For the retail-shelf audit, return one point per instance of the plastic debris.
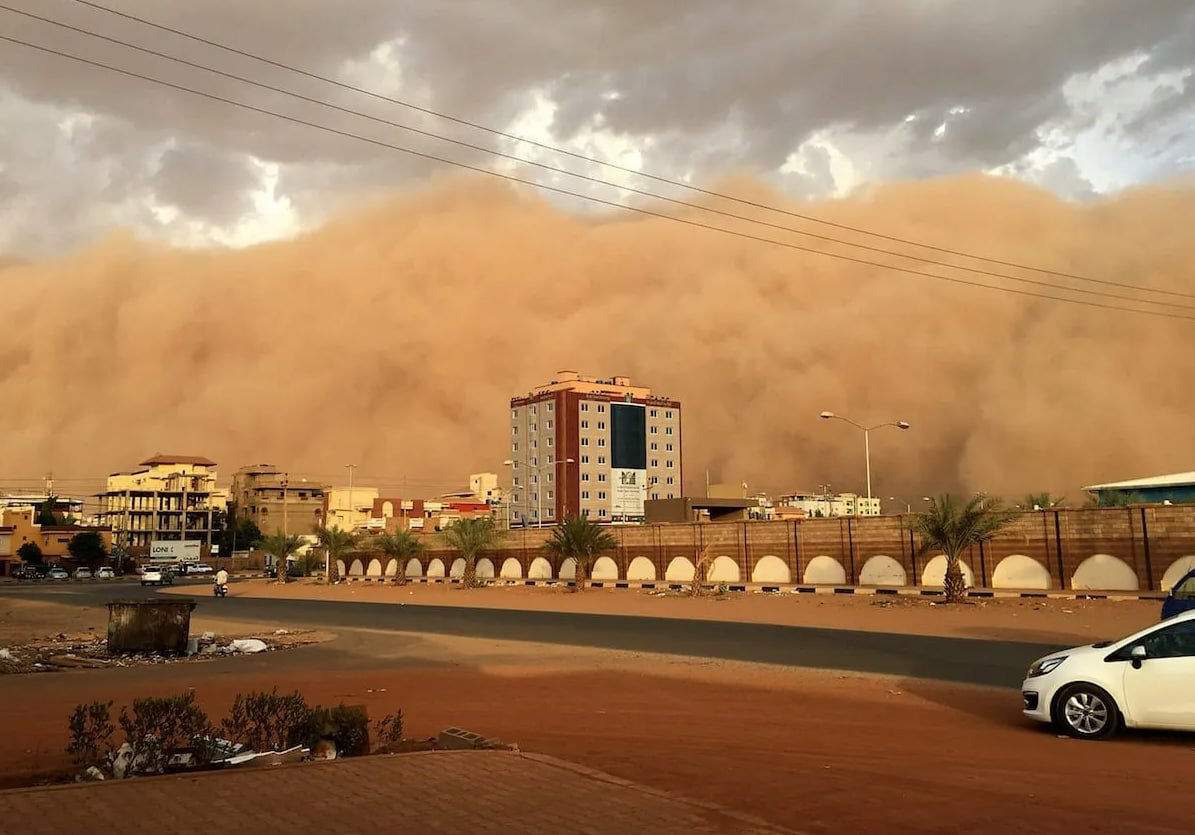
(247, 645)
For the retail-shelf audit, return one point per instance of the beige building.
(349, 508)
(18, 525)
(818, 505)
(169, 497)
(593, 447)
(275, 501)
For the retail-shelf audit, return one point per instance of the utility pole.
(350, 468)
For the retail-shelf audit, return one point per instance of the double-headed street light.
(897, 424)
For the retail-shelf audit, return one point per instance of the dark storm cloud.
(720, 87)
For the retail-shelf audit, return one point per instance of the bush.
(263, 721)
(91, 732)
(390, 730)
(157, 725)
(346, 725)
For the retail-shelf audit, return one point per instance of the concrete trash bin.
(149, 625)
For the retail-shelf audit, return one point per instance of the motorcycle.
(220, 589)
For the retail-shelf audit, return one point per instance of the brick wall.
(1148, 540)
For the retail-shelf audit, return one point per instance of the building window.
(585, 512)
(601, 424)
(584, 424)
(601, 495)
(601, 441)
(584, 459)
(585, 476)
(655, 480)
(669, 479)
(585, 494)
(551, 494)
(668, 413)
(551, 407)
(601, 407)
(670, 496)
(515, 446)
(655, 495)
(514, 430)
(601, 476)
(653, 412)
(601, 459)
(514, 415)
(549, 441)
(584, 442)
(655, 462)
(667, 430)
(601, 511)
(652, 430)
(549, 424)
(584, 407)
(668, 447)
(533, 410)
(668, 464)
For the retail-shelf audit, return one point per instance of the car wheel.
(1085, 711)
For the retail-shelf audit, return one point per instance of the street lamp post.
(897, 424)
(539, 515)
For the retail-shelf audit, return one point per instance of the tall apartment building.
(169, 497)
(592, 447)
(277, 501)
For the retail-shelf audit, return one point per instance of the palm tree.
(399, 546)
(1042, 501)
(952, 528)
(280, 546)
(336, 544)
(583, 541)
(470, 537)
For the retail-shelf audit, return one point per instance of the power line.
(592, 179)
(626, 169)
(557, 190)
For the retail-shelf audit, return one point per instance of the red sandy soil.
(817, 751)
(1015, 619)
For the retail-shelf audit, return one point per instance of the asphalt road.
(966, 660)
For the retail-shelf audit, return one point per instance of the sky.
(232, 285)
(815, 99)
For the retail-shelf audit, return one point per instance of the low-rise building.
(812, 505)
(18, 525)
(397, 514)
(349, 508)
(1176, 488)
(276, 502)
(65, 507)
(168, 497)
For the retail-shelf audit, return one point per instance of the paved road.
(994, 663)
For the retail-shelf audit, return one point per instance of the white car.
(82, 573)
(154, 576)
(199, 568)
(1146, 680)
(104, 573)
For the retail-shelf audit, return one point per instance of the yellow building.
(275, 501)
(349, 508)
(169, 497)
(18, 526)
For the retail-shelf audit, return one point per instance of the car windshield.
(1185, 589)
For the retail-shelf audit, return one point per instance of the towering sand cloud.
(392, 337)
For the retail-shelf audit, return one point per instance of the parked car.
(1146, 680)
(293, 569)
(58, 574)
(156, 576)
(30, 571)
(199, 568)
(104, 573)
(82, 573)
(1181, 597)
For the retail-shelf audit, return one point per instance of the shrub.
(91, 732)
(158, 725)
(390, 730)
(346, 725)
(263, 721)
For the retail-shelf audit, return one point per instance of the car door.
(1160, 689)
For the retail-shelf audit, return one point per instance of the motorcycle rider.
(221, 582)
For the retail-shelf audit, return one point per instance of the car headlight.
(1045, 665)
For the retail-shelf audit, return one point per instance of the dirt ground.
(817, 751)
(1014, 619)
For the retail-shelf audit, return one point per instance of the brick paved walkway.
(438, 791)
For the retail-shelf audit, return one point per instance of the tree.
(1116, 498)
(336, 544)
(280, 547)
(952, 528)
(235, 533)
(470, 537)
(400, 546)
(30, 552)
(46, 515)
(88, 547)
(1042, 501)
(581, 540)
